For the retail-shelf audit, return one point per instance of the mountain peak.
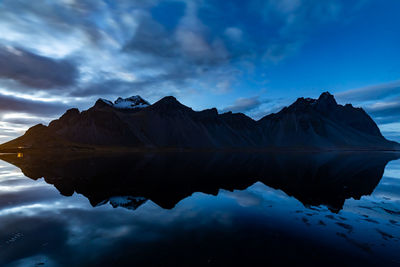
(325, 102)
(101, 103)
(70, 113)
(327, 98)
(130, 102)
(104, 101)
(300, 104)
(169, 99)
(169, 104)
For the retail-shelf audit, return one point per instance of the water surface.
(200, 209)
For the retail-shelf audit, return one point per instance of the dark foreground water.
(200, 210)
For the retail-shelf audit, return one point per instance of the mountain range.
(133, 123)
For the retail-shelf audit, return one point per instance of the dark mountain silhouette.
(134, 123)
(128, 180)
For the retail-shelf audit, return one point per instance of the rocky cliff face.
(133, 122)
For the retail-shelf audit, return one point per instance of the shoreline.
(118, 150)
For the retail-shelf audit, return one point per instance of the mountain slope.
(133, 122)
(322, 123)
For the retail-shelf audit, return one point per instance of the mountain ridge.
(319, 124)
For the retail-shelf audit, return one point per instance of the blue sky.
(246, 56)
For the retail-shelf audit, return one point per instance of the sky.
(253, 56)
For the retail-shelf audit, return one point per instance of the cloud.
(370, 93)
(295, 21)
(96, 20)
(124, 41)
(385, 108)
(385, 112)
(277, 52)
(391, 130)
(151, 38)
(34, 70)
(245, 104)
(234, 34)
(178, 58)
(10, 104)
(25, 121)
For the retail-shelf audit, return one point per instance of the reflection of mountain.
(128, 180)
(128, 202)
(132, 123)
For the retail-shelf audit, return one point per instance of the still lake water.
(200, 210)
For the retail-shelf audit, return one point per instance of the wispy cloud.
(256, 107)
(10, 104)
(385, 112)
(36, 71)
(371, 93)
(96, 42)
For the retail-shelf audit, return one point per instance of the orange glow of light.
(20, 155)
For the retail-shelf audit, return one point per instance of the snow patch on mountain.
(132, 102)
(128, 202)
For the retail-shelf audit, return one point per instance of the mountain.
(322, 123)
(133, 123)
(127, 202)
(132, 102)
